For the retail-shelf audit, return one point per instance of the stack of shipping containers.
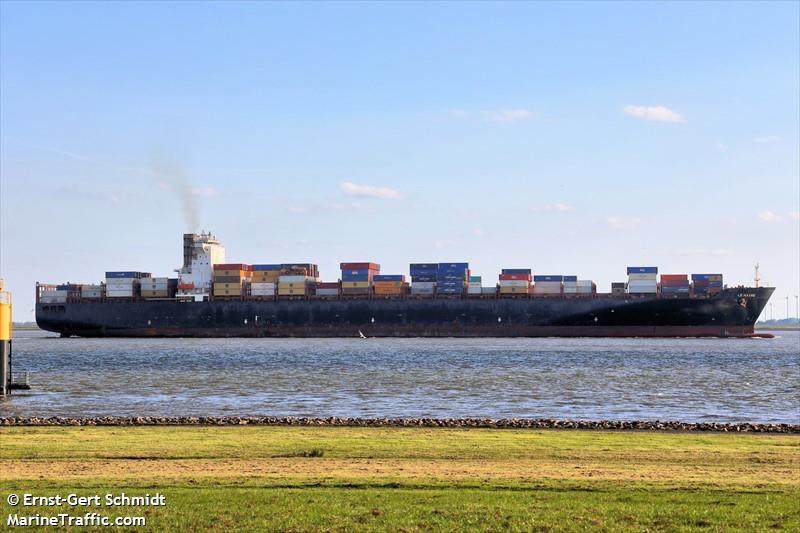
(475, 287)
(423, 278)
(515, 281)
(389, 285)
(123, 284)
(230, 280)
(91, 292)
(706, 284)
(297, 279)
(56, 295)
(452, 279)
(642, 280)
(675, 285)
(618, 287)
(264, 281)
(579, 287)
(327, 289)
(158, 287)
(357, 278)
(550, 285)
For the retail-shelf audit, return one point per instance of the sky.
(570, 138)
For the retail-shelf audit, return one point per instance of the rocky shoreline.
(503, 423)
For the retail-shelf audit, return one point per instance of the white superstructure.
(200, 253)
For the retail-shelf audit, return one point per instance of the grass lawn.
(253, 478)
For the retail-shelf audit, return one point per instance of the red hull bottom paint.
(439, 331)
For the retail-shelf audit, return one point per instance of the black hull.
(731, 313)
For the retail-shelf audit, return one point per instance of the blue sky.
(573, 138)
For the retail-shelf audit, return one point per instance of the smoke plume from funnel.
(170, 175)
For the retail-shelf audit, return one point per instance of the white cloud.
(297, 210)
(704, 251)
(657, 113)
(369, 191)
(769, 139)
(795, 215)
(508, 115)
(618, 222)
(554, 207)
(769, 216)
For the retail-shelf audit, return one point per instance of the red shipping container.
(515, 277)
(232, 266)
(674, 277)
(675, 283)
(328, 285)
(360, 266)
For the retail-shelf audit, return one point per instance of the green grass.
(389, 479)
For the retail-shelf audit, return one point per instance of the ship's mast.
(757, 279)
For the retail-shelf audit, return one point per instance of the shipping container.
(320, 291)
(232, 266)
(516, 271)
(642, 277)
(674, 277)
(124, 274)
(359, 266)
(513, 283)
(266, 268)
(520, 277)
(550, 278)
(642, 270)
(388, 277)
(355, 284)
(706, 277)
(477, 279)
(513, 290)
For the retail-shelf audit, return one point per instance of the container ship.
(213, 298)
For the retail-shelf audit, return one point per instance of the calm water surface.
(722, 380)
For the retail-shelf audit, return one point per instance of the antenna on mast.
(757, 279)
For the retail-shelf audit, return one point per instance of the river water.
(692, 380)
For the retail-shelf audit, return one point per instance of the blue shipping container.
(716, 284)
(260, 268)
(548, 278)
(570, 278)
(642, 270)
(124, 274)
(423, 277)
(388, 277)
(424, 266)
(704, 277)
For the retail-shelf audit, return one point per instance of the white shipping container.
(121, 282)
(475, 290)
(642, 277)
(475, 284)
(262, 292)
(51, 297)
(92, 294)
(423, 285)
(263, 286)
(514, 283)
(294, 279)
(119, 294)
